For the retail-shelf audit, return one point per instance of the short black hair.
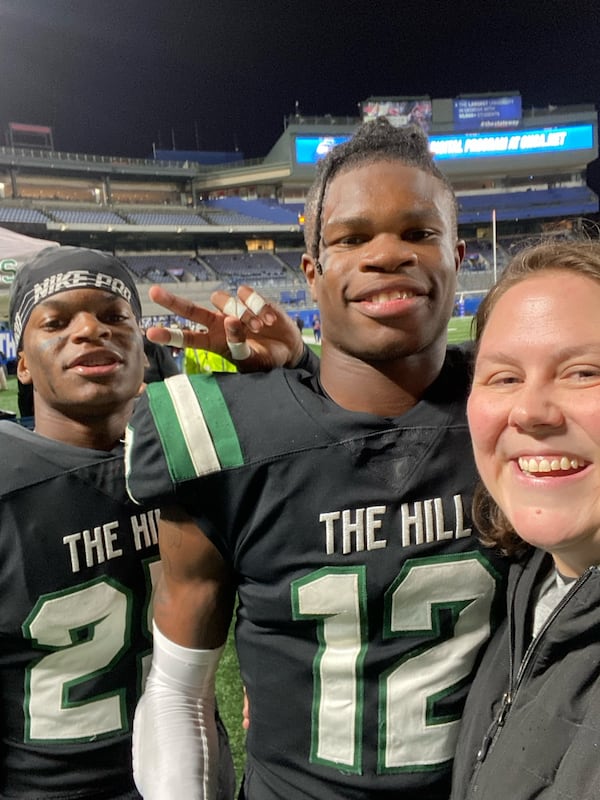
(375, 140)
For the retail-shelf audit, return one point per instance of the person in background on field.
(3, 371)
(316, 326)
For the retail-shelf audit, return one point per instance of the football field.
(459, 329)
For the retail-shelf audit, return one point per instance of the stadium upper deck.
(524, 170)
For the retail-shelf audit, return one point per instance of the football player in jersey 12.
(78, 558)
(336, 505)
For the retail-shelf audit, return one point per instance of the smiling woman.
(534, 415)
(534, 404)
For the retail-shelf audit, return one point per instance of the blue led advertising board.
(521, 143)
(310, 149)
(476, 113)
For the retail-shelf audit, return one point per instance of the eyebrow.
(405, 215)
(349, 221)
(561, 354)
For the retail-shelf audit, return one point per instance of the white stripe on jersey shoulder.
(192, 425)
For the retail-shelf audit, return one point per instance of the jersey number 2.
(86, 630)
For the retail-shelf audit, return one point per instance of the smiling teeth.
(386, 297)
(556, 464)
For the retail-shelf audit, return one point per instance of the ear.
(309, 269)
(23, 373)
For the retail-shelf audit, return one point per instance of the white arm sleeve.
(175, 745)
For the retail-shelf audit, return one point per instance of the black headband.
(60, 269)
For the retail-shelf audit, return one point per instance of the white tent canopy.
(15, 250)
(19, 247)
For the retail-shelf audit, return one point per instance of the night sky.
(116, 77)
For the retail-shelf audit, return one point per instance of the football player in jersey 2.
(78, 558)
(336, 505)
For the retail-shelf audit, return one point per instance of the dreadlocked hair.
(376, 140)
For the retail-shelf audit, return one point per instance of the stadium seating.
(292, 258)
(78, 216)
(158, 268)
(260, 268)
(182, 231)
(155, 218)
(22, 215)
(527, 204)
(237, 211)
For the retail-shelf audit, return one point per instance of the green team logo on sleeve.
(195, 428)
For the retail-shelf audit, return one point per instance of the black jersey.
(364, 598)
(77, 561)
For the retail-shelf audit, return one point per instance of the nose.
(389, 253)
(535, 409)
(86, 325)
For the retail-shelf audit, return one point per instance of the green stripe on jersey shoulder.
(194, 425)
(218, 419)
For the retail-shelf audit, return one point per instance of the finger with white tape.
(255, 303)
(234, 308)
(175, 338)
(240, 351)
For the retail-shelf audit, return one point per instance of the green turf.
(8, 400)
(230, 700)
(459, 329)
